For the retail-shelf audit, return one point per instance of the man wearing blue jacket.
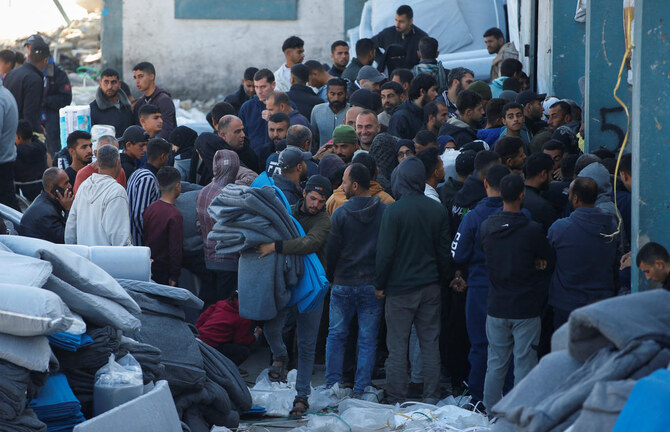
(466, 250)
(585, 257)
(350, 257)
(251, 114)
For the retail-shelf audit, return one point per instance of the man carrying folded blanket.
(315, 221)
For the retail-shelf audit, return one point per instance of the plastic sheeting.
(363, 416)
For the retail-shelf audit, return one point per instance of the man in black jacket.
(246, 90)
(407, 119)
(58, 93)
(537, 172)
(111, 105)
(45, 218)
(365, 55)
(464, 127)
(302, 96)
(145, 77)
(404, 33)
(231, 130)
(26, 83)
(516, 295)
(134, 142)
(350, 256)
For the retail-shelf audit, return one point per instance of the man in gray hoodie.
(99, 213)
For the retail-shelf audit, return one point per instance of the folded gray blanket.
(246, 217)
(618, 321)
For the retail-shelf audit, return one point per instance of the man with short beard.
(407, 120)
(537, 171)
(367, 128)
(391, 97)
(326, 116)
(532, 110)
(111, 105)
(459, 79)
(278, 124)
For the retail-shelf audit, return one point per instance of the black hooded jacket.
(238, 98)
(304, 99)
(406, 121)
(511, 243)
(460, 131)
(352, 244)
(466, 198)
(207, 144)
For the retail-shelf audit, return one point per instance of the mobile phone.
(57, 188)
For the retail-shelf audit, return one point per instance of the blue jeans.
(308, 329)
(345, 303)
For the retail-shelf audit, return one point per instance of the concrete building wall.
(202, 59)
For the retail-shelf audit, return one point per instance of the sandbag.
(29, 311)
(98, 310)
(22, 270)
(73, 269)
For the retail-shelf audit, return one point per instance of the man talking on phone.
(45, 218)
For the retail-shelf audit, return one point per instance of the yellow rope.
(628, 16)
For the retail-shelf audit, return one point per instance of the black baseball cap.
(291, 156)
(528, 96)
(319, 184)
(134, 134)
(32, 39)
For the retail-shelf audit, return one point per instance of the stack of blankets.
(596, 360)
(206, 386)
(246, 217)
(57, 406)
(61, 318)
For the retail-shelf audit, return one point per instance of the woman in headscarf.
(226, 165)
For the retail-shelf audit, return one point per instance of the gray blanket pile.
(610, 345)
(246, 217)
(207, 387)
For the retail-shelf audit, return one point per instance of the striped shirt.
(142, 191)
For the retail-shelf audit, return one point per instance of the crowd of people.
(458, 221)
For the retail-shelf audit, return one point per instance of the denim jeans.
(506, 337)
(345, 303)
(308, 329)
(421, 308)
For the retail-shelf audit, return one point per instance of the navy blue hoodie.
(352, 244)
(511, 243)
(585, 259)
(466, 248)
